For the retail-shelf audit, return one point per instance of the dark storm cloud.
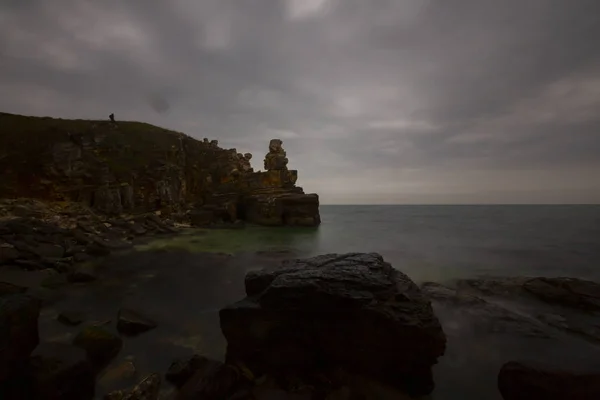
(402, 100)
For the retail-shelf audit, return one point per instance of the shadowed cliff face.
(133, 167)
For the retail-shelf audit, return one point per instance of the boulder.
(71, 318)
(130, 322)
(517, 381)
(181, 371)
(118, 374)
(100, 345)
(61, 372)
(18, 332)
(82, 273)
(351, 311)
(8, 288)
(147, 389)
(8, 253)
(569, 292)
(214, 382)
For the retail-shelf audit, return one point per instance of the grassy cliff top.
(16, 130)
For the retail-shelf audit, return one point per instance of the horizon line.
(460, 204)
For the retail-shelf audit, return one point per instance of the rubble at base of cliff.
(36, 235)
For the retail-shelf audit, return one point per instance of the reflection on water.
(182, 287)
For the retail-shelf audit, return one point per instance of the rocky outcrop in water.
(337, 316)
(137, 168)
(517, 381)
(524, 305)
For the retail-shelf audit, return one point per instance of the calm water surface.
(182, 287)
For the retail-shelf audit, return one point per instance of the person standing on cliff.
(112, 118)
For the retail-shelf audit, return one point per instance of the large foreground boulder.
(336, 311)
(517, 381)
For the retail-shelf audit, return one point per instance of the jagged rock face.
(276, 159)
(132, 167)
(349, 311)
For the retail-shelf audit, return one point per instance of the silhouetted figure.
(112, 118)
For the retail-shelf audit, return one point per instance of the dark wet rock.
(569, 292)
(82, 257)
(73, 248)
(131, 322)
(585, 326)
(18, 332)
(482, 315)
(31, 265)
(119, 375)
(71, 318)
(61, 372)
(97, 250)
(8, 253)
(181, 371)
(147, 389)
(517, 381)
(502, 286)
(8, 288)
(47, 296)
(137, 229)
(45, 250)
(64, 266)
(54, 280)
(443, 293)
(82, 273)
(81, 237)
(352, 311)
(22, 226)
(100, 345)
(214, 383)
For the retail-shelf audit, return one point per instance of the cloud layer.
(388, 101)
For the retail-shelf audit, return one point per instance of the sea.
(183, 281)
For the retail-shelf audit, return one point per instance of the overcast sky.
(378, 101)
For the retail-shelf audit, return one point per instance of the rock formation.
(142, 168)
(276, 159)
(349, 314)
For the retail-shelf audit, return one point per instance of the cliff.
(133, 167)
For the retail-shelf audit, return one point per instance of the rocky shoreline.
(62, 239)
(336, 326)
